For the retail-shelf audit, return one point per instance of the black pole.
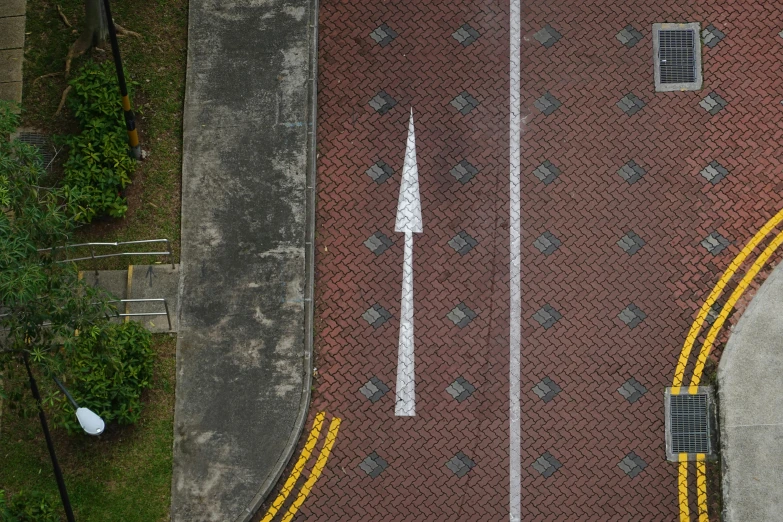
(58, 474)
(130, 118)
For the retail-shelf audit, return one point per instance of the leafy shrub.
(98, 163)
(27, 507)
(109, 366)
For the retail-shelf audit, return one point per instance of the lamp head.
(90, 422)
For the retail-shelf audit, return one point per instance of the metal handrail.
(116, 254)
(157, 299)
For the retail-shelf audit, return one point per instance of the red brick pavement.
(589, 427)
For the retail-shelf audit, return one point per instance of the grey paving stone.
(462, 243)
(547, 464)
(714, 312)
(547, 316)
(376, 315)
(378, 243)
(460, 389)
(464, 102)
(374, 389)
(632, 464)
(547, 36)
(711, 35)
(11, 65)
(632, 315)
(630, 104)
(546, 389)
(465, 35)
(631, 243)
(380, 172)
(383, 35)
(631, 172)
(547, 172)
(713, 103)
(12, 7)
(714, 172)
(12, 32)
(460, 464)
(464, 171)
(547, 243)
(461, 315)
(632, 390)
(715, 243)
(373, 465)
(629, 36)
(11, 91)
(382, 102)
(547, 103)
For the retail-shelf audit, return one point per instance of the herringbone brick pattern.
(608, 293)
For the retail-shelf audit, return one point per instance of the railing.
(144, 314)
(114, 254)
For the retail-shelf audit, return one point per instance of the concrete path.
(12, 20)
(243, 355)
(750, 378)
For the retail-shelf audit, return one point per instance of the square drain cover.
(689, 424)
(677, 56)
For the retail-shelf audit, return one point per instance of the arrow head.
(409, 204)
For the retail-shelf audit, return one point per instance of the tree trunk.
(96, 27)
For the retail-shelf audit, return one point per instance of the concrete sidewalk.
(244, 348)
(750, 378)
(12, 23)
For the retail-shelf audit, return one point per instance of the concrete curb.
(309, 290)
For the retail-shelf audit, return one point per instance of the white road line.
(515, 305)
(408, 221)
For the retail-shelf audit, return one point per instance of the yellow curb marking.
(724, 313)
(701, 489)
(312, 439)
(334, 427)
(690, 340)
(682, 483)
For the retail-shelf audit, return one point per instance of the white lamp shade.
(90, 422)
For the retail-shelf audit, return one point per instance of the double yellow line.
(301, 462)
(712, 334)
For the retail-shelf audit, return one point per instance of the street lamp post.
(89, 421)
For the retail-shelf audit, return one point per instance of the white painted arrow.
(408, 221)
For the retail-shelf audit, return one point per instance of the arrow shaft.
(406, 391)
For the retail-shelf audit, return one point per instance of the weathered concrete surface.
(750, 378)
(243, 359)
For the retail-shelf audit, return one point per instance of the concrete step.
(142, 282)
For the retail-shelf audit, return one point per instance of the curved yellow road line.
(701, 491)
(690, 339)
(312, 439)
(334, 427)
(682, 486)
(724, 313)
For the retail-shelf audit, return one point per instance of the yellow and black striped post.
(130, 118)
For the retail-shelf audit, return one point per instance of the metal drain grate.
(677, 56)
(688, 423)
(41, 142)
(677, 49)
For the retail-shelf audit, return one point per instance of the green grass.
(123, 475)
(156, 61)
